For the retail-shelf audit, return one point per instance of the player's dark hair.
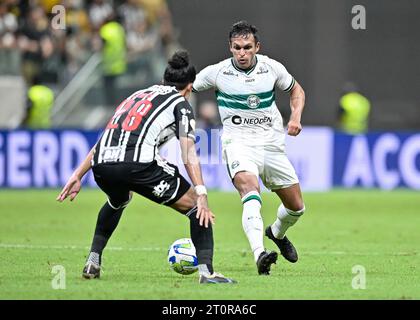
(243, 29)
(179, 72)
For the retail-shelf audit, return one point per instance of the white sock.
(285, 219)
(252, 222)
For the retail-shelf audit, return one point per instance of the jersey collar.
(247, 71)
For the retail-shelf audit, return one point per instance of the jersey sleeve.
(184, 120)
(206, 78)
(285, 81)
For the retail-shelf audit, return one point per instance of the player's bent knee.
(117, 205)
(186, 202)
(295, 204)
(246, 186)
(297, 211)
(246, 182)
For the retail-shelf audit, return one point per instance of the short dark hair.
(179, 72)
(242, 29)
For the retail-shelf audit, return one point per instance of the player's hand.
(203, 212)
(293, 128)
(71, 189)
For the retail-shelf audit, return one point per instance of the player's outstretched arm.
(297, 103)
(74, 184)
(192, 165)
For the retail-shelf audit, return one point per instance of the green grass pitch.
(340, 230)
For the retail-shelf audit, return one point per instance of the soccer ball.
(182, 257)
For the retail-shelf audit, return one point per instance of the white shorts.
(273, 167)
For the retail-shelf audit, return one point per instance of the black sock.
(108, 219)
(202, 238)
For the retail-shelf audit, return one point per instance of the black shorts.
(158, 181)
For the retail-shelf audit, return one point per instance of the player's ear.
(186, 92)
(230, 46)
(257, 47)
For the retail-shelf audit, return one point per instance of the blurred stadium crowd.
(133, 39)
(45, 43)
(31, 45)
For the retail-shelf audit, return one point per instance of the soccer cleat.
(215, 278)
(286, 248)
(91, 271)
(265, 260)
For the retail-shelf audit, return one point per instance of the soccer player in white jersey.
(253, 137)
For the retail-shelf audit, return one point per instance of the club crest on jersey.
(253, 101)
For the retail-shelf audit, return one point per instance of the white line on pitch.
(74, 247)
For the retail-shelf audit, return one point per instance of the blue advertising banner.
(384, 160)
(322, 158)
(42, 159)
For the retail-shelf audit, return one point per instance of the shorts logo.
(234, 164)
(253, 101)
(161, 188)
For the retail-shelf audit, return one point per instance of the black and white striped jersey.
(142, 123)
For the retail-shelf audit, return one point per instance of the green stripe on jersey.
(245, 101)
(244, 97)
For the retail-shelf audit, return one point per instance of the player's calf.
(202, 238)
(252, 223)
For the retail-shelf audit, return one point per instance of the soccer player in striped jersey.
(253, 137)
(126, 160)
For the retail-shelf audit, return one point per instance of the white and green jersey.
(246, 99)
